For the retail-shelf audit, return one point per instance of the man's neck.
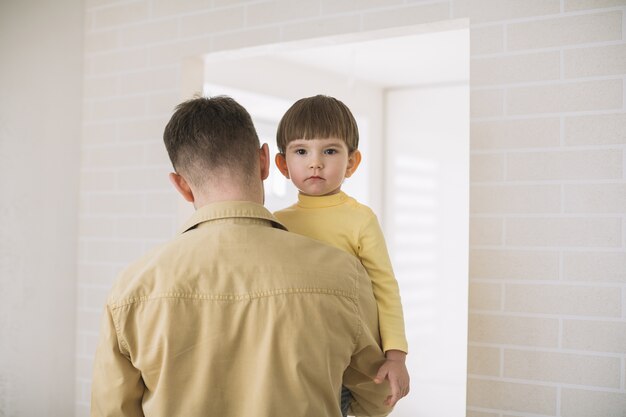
(226, 193)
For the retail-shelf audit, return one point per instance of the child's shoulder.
(353, 204)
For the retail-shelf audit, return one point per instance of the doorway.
(409, 91)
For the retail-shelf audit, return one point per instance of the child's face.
(317, 166)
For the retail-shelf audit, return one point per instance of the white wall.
(427, 216)
(40, 100)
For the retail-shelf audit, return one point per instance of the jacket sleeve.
(375, 258)
(367, 357)
(117, 387)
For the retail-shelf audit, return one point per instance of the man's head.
(212, 142)
(318, 117)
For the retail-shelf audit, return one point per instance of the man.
(235, 316)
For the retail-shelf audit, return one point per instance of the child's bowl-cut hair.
(318, 117)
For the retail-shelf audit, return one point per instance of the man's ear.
(353, 163)
(182, 186)
(264, 159)
(281, 163)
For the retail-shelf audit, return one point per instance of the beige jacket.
(237, 317)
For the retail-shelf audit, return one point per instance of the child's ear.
(353, 163)
(281, 163)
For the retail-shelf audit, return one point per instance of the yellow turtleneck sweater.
(340, 221)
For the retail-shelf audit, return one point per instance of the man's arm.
(369, 397)
(117, 387)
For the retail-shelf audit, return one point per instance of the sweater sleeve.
(375, 258)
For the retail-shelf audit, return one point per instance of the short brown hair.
(318, 117)
(208, 133)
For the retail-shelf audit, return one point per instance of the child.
(318, 139)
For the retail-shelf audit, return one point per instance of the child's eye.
(330, 151)
(300, 152)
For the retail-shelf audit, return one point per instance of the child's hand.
(394, 369)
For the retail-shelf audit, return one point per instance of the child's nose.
(315, 162)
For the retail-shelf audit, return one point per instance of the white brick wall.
(548, 255)
(547, 280)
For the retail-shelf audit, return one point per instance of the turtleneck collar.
(308, 201)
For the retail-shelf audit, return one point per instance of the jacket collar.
(230, 209)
